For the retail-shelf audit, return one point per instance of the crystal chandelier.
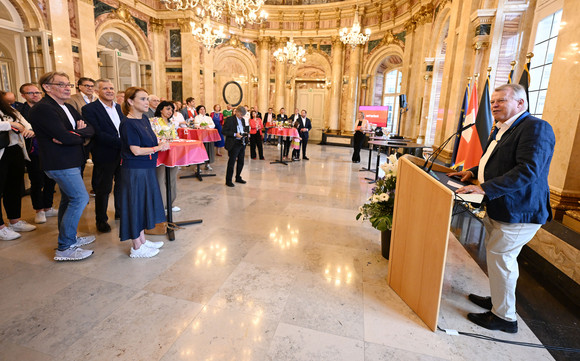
(206, 35)
(291, 53)
(354, 37)
(243, 11)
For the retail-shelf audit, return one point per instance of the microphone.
(438, 151)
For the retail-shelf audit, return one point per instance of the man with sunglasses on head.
(61, 133)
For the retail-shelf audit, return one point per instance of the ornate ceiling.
(300, 2)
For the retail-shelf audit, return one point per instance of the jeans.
(74, 198)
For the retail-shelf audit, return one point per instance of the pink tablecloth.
(182, 153)
(205, 135)
(284, 132)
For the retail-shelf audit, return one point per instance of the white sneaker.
(82, 241)
(22, 226)
(155, 245)
(51, 212)
(175, 209)
(6, 234)
(40, 217)
(143, 252)
(72, 254)
(208, 167)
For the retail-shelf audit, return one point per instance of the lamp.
(206, 35)
(354, 37)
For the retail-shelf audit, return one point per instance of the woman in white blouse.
(203, 118)
(12, 157)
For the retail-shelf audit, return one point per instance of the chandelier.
(354, 37)
(243, 11)
(206, 35)
(291, 53)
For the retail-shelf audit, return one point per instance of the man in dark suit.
(61, 133)
(269, 117)
(236, 132)
(513, 176)
(106, 117)
(304, 126)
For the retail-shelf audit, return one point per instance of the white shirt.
(503, 127)
(112, 112)
(203, 119)
(71, 119)
(86, 98)
(179, 119)
(241, 124)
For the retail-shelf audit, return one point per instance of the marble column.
(208, 80)
(281, 83)
(190, 63)
(347, 124)
(159, 37)
(61, 37)
(336, 85)
(263, 73)
(87, 36)
(562, 111)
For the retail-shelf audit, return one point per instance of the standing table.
(283, 132)
(180, 153)
(204, 135)
(390, 145)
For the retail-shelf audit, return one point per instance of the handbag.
(161, 228)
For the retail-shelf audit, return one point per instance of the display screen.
(376, 114)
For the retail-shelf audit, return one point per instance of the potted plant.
(379, 207)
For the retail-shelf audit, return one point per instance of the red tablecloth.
(182, 153)
(270, 124)
(205, 135)
(285, 132)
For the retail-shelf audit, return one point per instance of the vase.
(385, 243)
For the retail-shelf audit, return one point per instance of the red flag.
(470, 151)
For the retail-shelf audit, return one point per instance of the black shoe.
(262, 158)
(240, 180)
(230, 184)
(483, 302)
(492, 322)
(305, 158)
(103, 227)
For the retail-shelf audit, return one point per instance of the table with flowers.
(283, 132)
(205, 135)
(182, 152)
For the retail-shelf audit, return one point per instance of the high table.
(268, 126)
(203, 135)
(390, 144)
(181, 153)
(283, 132)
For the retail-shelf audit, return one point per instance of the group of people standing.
(53, 135)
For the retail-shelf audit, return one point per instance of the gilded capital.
(185, 24)
(156, 25)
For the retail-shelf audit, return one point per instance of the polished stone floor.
(278, 270)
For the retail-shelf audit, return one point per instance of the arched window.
(391, 92)
(436, 114)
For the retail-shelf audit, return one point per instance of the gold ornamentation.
(156, 25)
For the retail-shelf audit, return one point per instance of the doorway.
(312, 97)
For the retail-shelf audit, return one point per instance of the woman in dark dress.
(140, 196)
(218, 119)
(359, 137)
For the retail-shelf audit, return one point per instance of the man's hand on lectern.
(464, 176)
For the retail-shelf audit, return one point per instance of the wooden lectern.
(421, 221)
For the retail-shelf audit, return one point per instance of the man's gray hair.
(101, 81)
(518, 92)
(241, 110)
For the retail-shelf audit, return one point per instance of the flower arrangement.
(380, 205)
(203, 125)
(162, 129)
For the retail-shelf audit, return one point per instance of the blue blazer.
(516, 174)
(107, 141)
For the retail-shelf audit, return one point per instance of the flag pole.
(511, 75)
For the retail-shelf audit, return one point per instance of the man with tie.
(304, 126)
(85, 94)
(513, 177)
(236, 132)
(105, 116)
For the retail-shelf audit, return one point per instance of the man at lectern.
(513, 176)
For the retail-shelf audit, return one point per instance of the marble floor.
(278, 270)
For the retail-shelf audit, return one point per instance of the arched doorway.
(237, 65)
(10, 25)
(119, 60)
(387, 81)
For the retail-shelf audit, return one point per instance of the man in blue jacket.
(106, 117)
(513, 176)
(61, 133)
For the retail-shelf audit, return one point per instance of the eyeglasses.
(62, 85)
(87, 85)
(32, 93)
